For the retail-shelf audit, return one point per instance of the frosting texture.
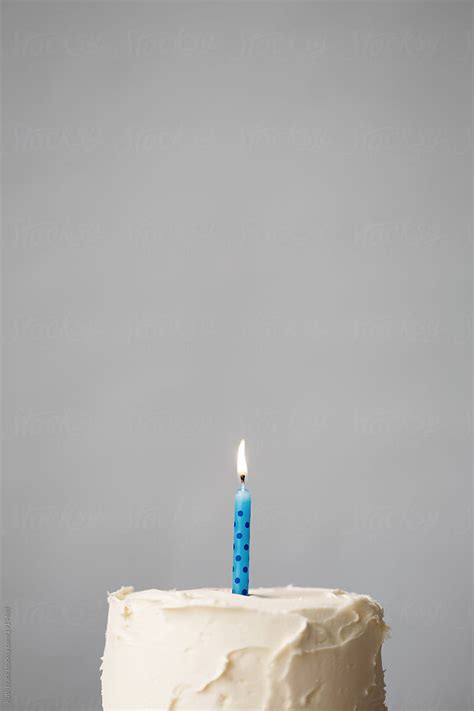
(279, 649)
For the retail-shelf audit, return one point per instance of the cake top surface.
(278, 599)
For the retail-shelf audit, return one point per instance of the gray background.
(227, 220)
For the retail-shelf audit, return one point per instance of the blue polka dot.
(246, 547)
(233, 568)
(247, 524)
(239, 535)
(233, 547)
(245, 569)
(245, 592)
(234, 524)
(240, 513)
(237, 580)
(238, 557)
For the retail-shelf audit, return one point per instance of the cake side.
(278, 649)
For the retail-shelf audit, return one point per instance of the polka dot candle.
(243, 505)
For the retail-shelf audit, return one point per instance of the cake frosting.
(279, 649)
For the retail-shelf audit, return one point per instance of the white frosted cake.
(279, 649)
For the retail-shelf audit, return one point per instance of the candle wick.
(242, 479)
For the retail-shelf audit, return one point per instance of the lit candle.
(243, 505)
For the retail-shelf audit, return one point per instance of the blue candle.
(243, 506)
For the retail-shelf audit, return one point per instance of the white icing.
(279, 649)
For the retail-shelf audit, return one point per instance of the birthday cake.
(277, 649)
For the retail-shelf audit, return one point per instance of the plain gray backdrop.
(226, 220)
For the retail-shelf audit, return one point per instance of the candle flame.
(241, 461)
